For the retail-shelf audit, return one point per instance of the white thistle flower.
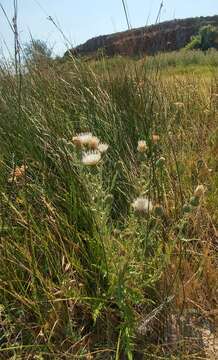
(91, 158)
(103, 147)
(93, 143)
(142, 146)
(142, 205)
(82, 139)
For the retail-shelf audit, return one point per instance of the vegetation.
(207, 38)
(107, 253)
(37, 51)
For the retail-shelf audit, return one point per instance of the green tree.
(205, 39)
(37, 51)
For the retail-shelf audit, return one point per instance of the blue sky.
(83, 19)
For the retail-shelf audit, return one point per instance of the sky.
(80, 20)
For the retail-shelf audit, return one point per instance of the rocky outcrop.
(166, 36)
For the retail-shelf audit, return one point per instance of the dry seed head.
(142, 146)
(91, 158)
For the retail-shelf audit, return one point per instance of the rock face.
(166, 36)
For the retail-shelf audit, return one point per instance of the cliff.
(165, 36)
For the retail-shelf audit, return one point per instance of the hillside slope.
(166, 36)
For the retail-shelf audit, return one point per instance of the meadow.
(109, 208)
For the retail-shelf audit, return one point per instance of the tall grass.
(83, 275)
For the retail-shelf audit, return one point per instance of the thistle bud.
(194, 201)
(158, 210)
(187, 208)
(160, 162)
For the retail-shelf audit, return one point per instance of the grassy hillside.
(109, 255)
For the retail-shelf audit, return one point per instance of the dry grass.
(81, 274)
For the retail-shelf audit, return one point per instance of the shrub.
(205, 39)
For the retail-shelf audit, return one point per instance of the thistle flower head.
(194, 201)
(142, 205)
(93, 143)
(102, 147)
(155, 138)
(91, 158)
(142, 146)
(187, 208)
(82, 139)
(199, 191)
(158, 210)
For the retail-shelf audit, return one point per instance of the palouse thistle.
(82, 139)
(155, 138)
(93, 143)
(142, 146)
(142, 205)
(91, 158)
(102, 147)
